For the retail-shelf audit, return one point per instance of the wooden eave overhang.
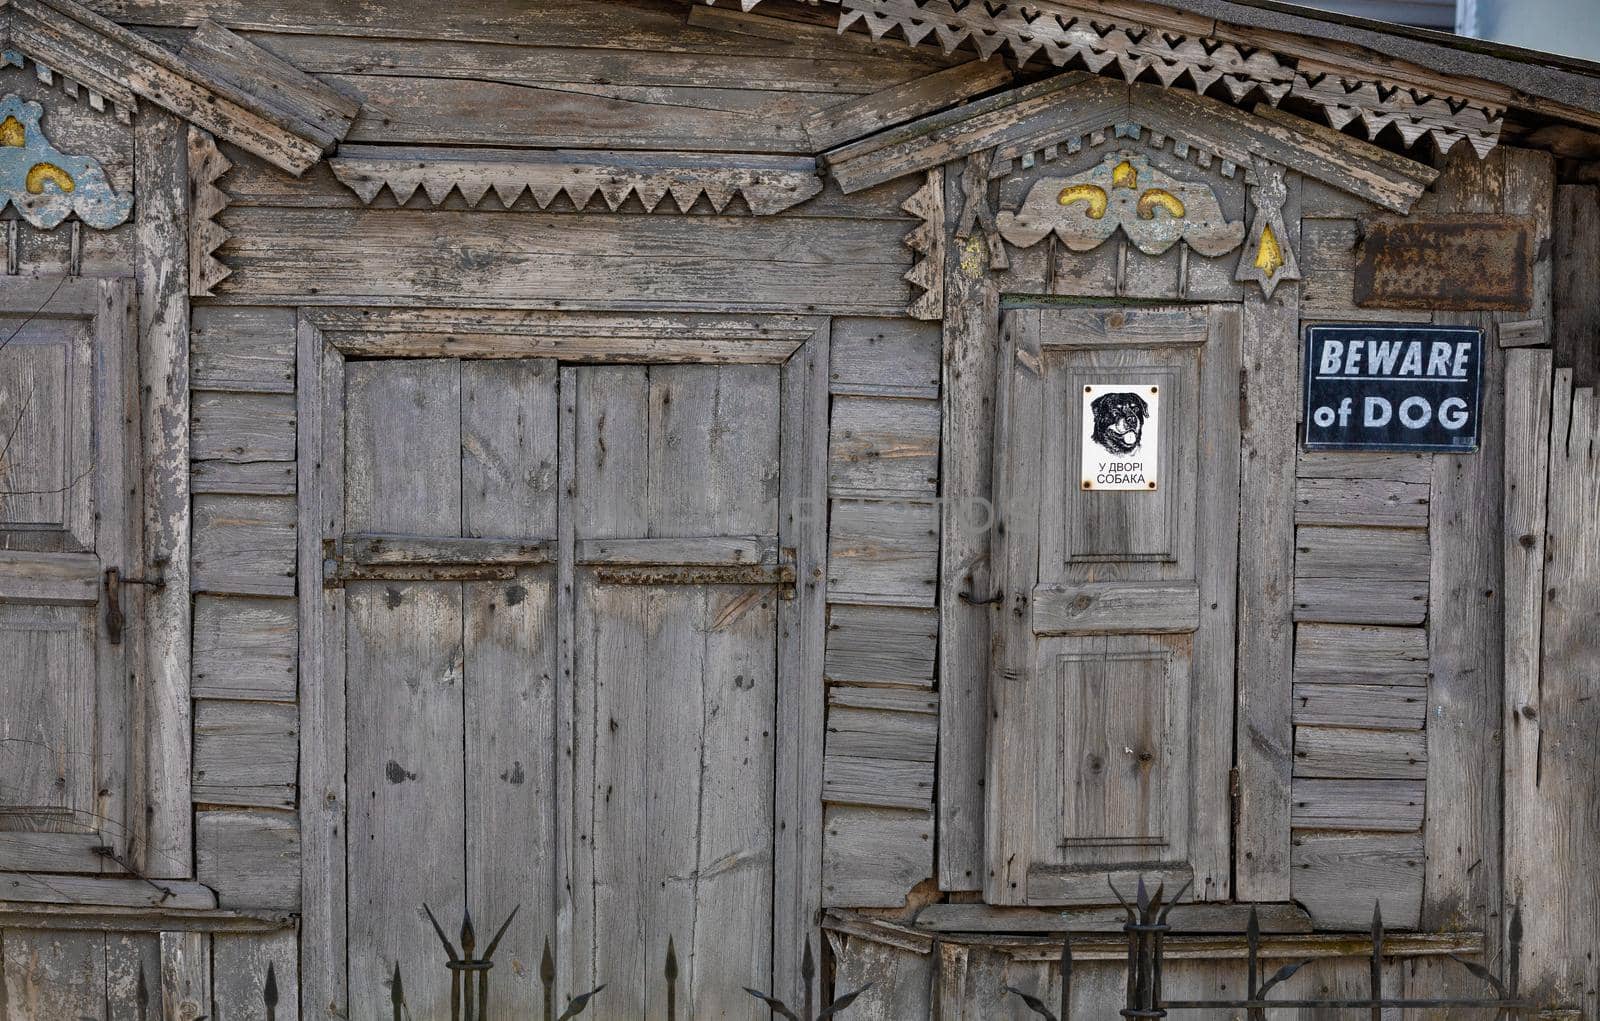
(221, 82)
(1353, 73)
(1035, 121)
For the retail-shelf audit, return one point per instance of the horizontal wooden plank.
(248, 478)
(713, 551)
(891, 357)
(1365, 805)
(111, 891)
(56, 578)
(245, 753)
(1373, 706)
(244, 648)
(21, 852)
(1353, 654)
(374, 550)
(876, 734)
(1346, 464)
(1064, 884)
(883, 446)
(249, 349)
(1341, 877)
(243, 545)
(878, 644)
(1338, 753)
(883, 552)
(1089, 329)
(1359, 601)
(1378, 502)
(900, 700)
(287, 90)
(116, 919)
(885, 783)
(1103, 607)
(1386, 554)
(241, 427)
(1526, 333)
(250, 858)
(873, 857)
(380, 257)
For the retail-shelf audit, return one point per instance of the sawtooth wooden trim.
(1064, 110)
(767, 184)
(116, 64)
(207, 200)
(1187, 52)
(928, 240)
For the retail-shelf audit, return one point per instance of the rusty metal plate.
(1458, 263)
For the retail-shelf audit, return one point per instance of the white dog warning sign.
(1121, 427)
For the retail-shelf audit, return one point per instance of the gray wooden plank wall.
(883, 625)
(246, 724)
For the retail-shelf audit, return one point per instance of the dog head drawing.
(1119, 421)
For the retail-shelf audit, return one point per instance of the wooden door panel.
(68, 446)
(1114, 661)
(403, 447)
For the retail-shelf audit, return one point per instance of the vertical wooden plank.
(239, 973)
(1575, 303)
(1010, 802)
(508, 448)
(161, 273)
(574, 771)
(971, 349)
(405, 776)
(1466, 607)
(133, 976)
(1527, 816)
(403, 446)
(320, 418)
(1264, 735)
(50, 975)
(802, 623)
(185, 975)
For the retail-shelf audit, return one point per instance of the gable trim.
(1060, 110)
(61, 37)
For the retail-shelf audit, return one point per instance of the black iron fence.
(1146, 930)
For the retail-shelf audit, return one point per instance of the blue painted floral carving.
(47, 185)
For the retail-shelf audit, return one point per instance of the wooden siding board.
(245, 753)
(244, 545)
(883, 552)
(874, 857)
(251, 858)
(1338, 877)
(241, 427)
(888, 645)
(1395, 805)
(249, 349)
(1364, 654)
(1373, 706)
(883, 446)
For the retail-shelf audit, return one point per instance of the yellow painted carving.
(1124, 176)
(1092, 194)
(13, 133)
(39, 173)
(1269, 257)
(1159, 197)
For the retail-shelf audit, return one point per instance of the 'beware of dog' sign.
(1121, 427)
(1393, 387)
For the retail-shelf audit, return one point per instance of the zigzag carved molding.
(767, 184)
(1105, 45)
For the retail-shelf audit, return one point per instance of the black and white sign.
(1376, 387)
(1121, 430)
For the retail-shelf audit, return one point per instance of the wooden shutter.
(68, 444)
(1113, 658)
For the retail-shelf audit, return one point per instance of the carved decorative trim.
(1129, 48)
(768, 184)
(108, 98)
(206, 203)
(1010, 158)
(927, 241)
(1269, 257)
(1124, 192)
(46, 185)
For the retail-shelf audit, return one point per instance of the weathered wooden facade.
(621, 458)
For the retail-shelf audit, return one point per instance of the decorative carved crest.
(768, 184)
(1126, 46)
(206, 203)
(1124, 192)
(1268, 257)
(46, 185)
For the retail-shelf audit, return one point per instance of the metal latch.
(114, 580)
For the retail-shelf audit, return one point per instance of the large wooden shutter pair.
(69, 576)
(1112, 672)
